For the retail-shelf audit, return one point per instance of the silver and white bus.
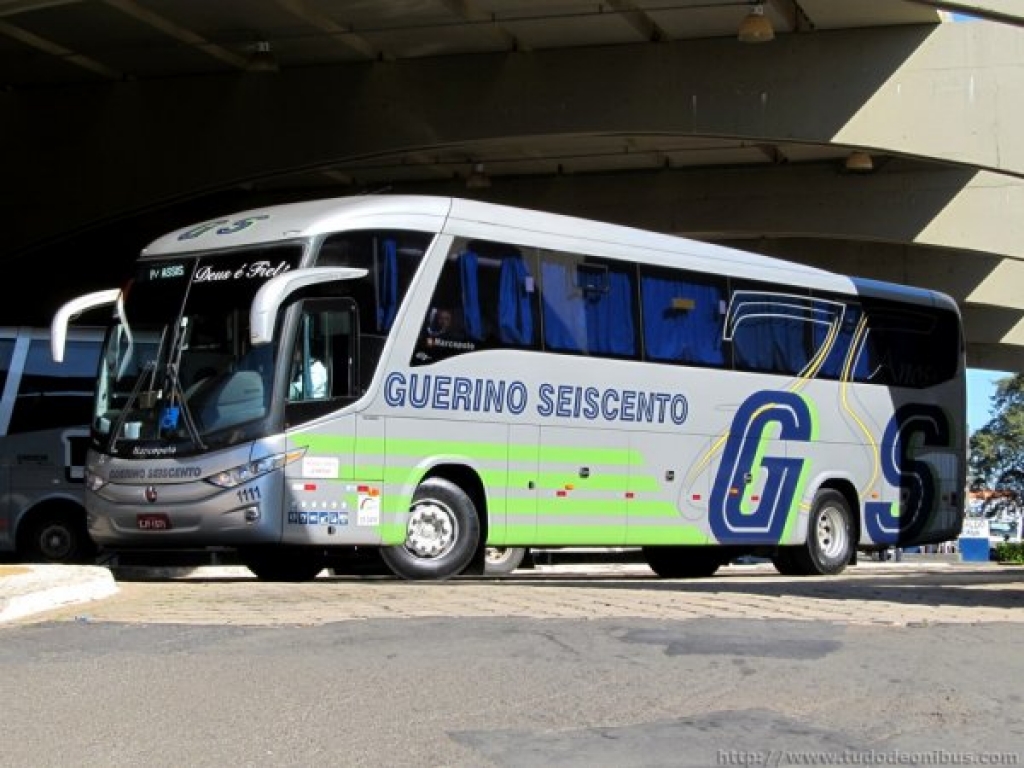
(45, 411)
(501, 377)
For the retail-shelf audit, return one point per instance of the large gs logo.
(915, 479)
(743, 458)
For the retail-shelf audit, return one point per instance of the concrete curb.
(46, 587)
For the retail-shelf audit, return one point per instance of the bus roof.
(292, 221)
(296, 221)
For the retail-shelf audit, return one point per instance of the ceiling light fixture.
(859, 162)
(756, 27)
(262, 59)
(478, 179)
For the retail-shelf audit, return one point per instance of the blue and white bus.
(501, 377)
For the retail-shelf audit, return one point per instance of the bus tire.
(441, 536)
(501, 561)
(830, 545)
(57, 535)
(282, 563)
(785, 564)
(685, 562)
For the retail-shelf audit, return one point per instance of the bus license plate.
(153, 522)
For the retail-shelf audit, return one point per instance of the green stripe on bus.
(553, 481)
(655, 535)
(652, 508)
(581, 507)
(417, 448)
(601, 535)
(793, 515)
(642, 510)
(392, 533)
(330, 444)
(567, 534)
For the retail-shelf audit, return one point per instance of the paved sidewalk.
(27, 589)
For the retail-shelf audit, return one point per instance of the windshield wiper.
(119, 423)
(176, 399)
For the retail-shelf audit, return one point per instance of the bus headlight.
(229, 478)
(93, 481)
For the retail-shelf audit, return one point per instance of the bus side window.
(55, 395)
(589, 305)
(322, 355)
(683, 318)
(771, 331)
(6, 351)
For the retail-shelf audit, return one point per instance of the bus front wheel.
(441, 536)
(501, 561)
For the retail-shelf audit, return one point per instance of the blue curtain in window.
(754, 343)
(468, 269)
(834, 363)
(565, 322)
(687, 335)
(770, 333)
(610, 317)
(515, 315)
(387, 284)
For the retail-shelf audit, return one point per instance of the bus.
(502, 377)
(45, 410)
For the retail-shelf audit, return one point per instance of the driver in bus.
(315, 387)
(441, 324)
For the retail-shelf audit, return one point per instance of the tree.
(996, 462)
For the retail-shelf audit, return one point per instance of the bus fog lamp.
(251, 514)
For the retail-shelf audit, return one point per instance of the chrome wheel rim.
(432, 530)
(833, 538)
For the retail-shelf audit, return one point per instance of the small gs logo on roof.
(222, 227)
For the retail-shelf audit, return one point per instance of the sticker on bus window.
(169, 417)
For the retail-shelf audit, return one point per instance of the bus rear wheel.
(830, 541)
(57, 536)
(683, 562)
(441, 536)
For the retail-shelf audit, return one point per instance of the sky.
(981, 385)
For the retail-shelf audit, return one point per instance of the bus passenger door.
(519, 526)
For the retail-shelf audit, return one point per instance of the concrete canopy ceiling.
(65, 50)
(64, 43)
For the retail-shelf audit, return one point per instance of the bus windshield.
(178, 369)
(180, 374)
